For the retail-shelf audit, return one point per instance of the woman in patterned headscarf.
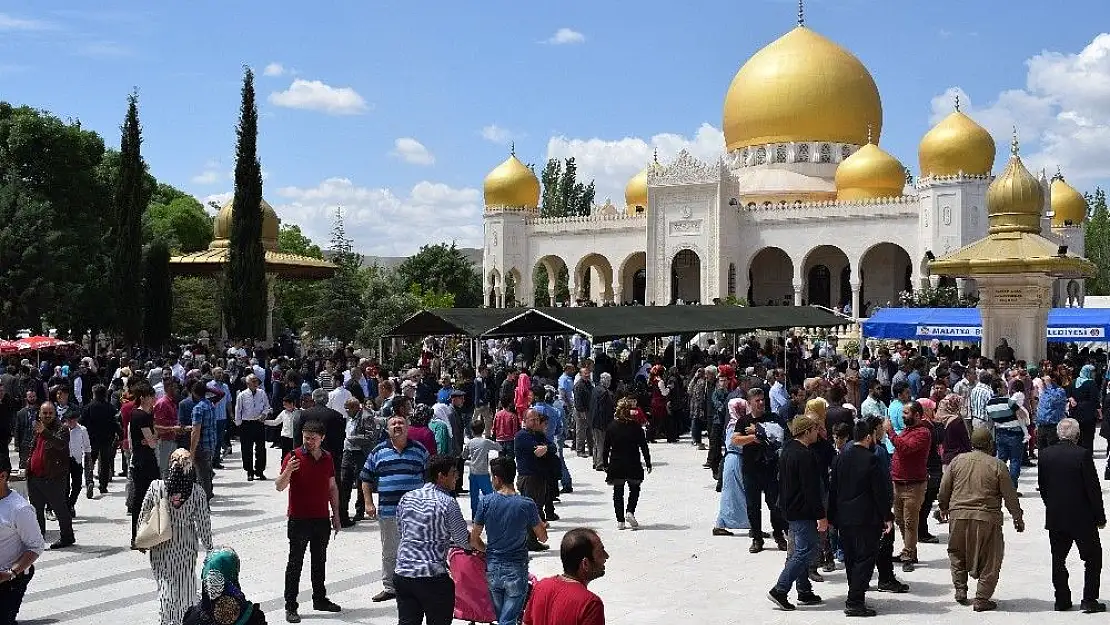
(221, 599)
(174, 561)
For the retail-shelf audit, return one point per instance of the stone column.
(551, 292)
(797, 293)
(574, 288)
(856, 286)
(615, 294)
(500, 297)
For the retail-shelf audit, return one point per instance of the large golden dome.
(636, 191)
(1069, 207)
(801, 87)
(1015, 199)
(221, 227)
(869, 173)
(956, 144)
(512, 184)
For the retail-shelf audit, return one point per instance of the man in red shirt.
(564, 599)
(165, 422)
(909, 471)
(309, 473)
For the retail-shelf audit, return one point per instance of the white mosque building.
(802, 206)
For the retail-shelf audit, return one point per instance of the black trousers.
(767, 484)
(535, 488)
(861, 548)
(420, 598)
(141, 485)
(1087, 435)
(932, 488)
(716, 438)
(51, 492)
(884, 560)
(1046, 436)
(313, 534)
(76, 481)
(348, 481)
(11, 596)
(252, 435)
(1090, 552)
(103, 454)
(618, 497)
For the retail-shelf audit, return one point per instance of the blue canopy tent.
(1065, 325)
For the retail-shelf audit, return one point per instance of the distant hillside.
(473, 254)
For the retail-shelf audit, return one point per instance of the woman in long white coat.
(174, 561)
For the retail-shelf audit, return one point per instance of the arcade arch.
(551, 280)
(633, 279)
(686, 276)
(592, 279)
(770, 278)
(823, 272)
(885, 271)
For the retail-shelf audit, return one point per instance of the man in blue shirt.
(204, 437)
(222, 444)
(533, 452)
(506, 517)
(555, 428)
(780, 399)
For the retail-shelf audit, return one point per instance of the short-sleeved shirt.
(507, 519)
(559, 601)
(310, 485)
(165, 414)
(397, 473)
(204, 415)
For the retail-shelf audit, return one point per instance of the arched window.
(761, 156)
(826, 153)
(780, 153)
(731, 279)
(802, 153)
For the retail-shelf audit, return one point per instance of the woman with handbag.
(175, 523)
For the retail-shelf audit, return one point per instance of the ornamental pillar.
(797, 293)
(856, 286)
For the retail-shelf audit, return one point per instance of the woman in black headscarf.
(221, 598)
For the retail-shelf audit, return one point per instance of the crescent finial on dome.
(870, 128)
(1014, 146)
(801, 13)
(957, 101)
(512, 148)
(1059, 175)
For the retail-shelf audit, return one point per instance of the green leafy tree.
(1097, 243)
(158, 295)
(338, 312)
(442, 268)
(388, 304)
(944, 296)
(194, 309)
(182, 224)
(131, 198)
(563, 195)
(297, 298)
(245, 294)
(542, 281)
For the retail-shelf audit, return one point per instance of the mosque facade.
(801, 207)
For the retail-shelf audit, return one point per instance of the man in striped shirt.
(429, 521)
(977, 401)
(397, 465)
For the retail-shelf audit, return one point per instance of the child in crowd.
(477, 450)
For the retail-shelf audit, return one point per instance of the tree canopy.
(1097, 242)
(442, 268)
(563, 195)
(338, 310)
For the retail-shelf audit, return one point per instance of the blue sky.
(396, 110)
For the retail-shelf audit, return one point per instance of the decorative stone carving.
(946, 215)
(685, 169)
(686, 228)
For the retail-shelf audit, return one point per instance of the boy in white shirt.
(79, 449)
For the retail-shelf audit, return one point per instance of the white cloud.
(10, 22)
(412, 151)
(566, 36)
(1062, 115)
(104, 49)
(610, 163)
(381, 222)
(496, 134)
(208, 176)
(273, 69)
(314, 95)
(218, 198)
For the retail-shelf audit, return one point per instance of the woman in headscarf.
(956, 438)
(624, 443)
(1084, 406)
(419, 429)
(733, 510)
(522, 397)
(221, 599)
(174, 561)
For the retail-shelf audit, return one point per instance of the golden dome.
(869, 173)
(513, 184)
(1069, 207)
(801, 87)
(221, 227)
(636, 191)
(956, 144)
(1015, 199)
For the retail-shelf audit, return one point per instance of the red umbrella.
(7, 347)
(35, 343)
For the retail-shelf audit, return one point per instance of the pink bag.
(472, 599)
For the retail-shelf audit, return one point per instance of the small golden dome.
(636, 191)
(1015, 199)
(512, 184)
(869, 173)
(801, 87)
(221, 227)
(1069, 207)
(956, 144)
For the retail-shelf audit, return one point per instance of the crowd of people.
(846, 453)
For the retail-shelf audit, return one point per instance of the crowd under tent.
(1065, 325)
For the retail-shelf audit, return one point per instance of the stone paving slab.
(670, 571)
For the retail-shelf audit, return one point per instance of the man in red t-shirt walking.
(564, 599)
(309, 473)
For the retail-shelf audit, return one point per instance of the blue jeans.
(1008, 447)
(480, 486)
(508, 587)
(806, 543)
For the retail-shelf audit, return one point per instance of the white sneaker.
(631, 518)
(621, 525)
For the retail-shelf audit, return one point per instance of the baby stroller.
(472, 599)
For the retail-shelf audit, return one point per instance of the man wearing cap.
(801, 500)
(971, 497)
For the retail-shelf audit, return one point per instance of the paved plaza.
(670, 571)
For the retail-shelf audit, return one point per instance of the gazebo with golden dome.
(211, 262)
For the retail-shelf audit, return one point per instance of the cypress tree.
(245, 295)
(126, 238)
(158, 295)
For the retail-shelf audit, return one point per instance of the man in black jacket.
(801, 502)
(1073, 513)
(335, 426)
(860, 509)
(583, 391)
